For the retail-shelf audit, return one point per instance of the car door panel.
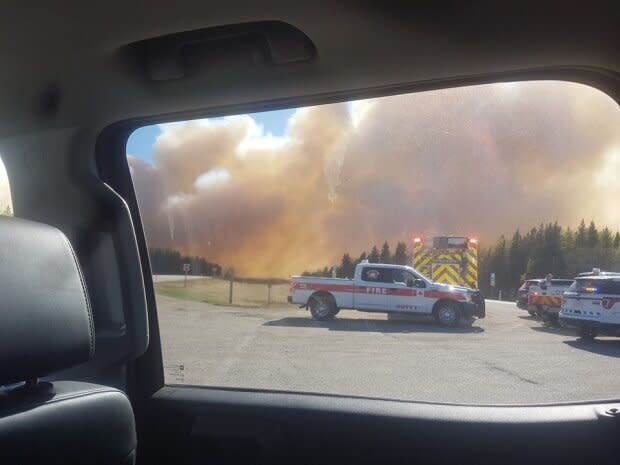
(206, 425)
(372, 291)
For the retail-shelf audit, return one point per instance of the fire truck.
(447, 259)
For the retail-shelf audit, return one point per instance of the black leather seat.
(45, 326)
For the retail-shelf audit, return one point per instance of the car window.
(592, 286)
(610, 287)
(6, 204)
(253, 221)
(527, 284)
(402, 276)
(378, 275)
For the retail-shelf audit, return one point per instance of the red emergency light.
(473, 241)
(417, 240)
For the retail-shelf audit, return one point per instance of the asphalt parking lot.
(508, 357)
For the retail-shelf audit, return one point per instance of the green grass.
(215, 291)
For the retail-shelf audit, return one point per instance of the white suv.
(592, 304)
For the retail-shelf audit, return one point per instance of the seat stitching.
(85, 295)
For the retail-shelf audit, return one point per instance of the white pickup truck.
(387, 289)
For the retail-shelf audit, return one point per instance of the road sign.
(492, 279)
(186, 268)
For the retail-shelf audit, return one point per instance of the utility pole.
(230, 290)
(268, 294)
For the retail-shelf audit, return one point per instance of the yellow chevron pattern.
(421, 257)
(471, 275)
(447, 257)
(447, 274)
(448, 266)
(422, 260)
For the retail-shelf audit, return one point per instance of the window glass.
(610, 287)
(588, 286)
(402, 276)
(457, 241)
(253, 221)
(379, 275)
(6, 205)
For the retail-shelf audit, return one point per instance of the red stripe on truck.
(404, 292)
(444, 295)
(401, 292)
(325, 287)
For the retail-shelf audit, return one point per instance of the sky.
(141, 143)
(273, 194)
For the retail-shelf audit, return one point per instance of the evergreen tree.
(605, 239)
(530, 271)
(516, 259)
(580, 237)
(374, 255)
(400, 254)
(167, 261)
(386, 256)
(617, 240)
(592, 235)
(346, 267)
(7, 211)
(497, 264)
(568, 239)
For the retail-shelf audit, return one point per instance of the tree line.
(548, 248)
(167, 261)
(346, 269)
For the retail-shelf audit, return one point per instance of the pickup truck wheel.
(539, 312)
(447, 314)
(587, 334)
(322, 308)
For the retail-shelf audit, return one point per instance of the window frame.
(113, 169)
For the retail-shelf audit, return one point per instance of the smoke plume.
(477, 161)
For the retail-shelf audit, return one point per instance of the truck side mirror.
(419, 283)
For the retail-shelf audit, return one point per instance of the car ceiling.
(69, 66)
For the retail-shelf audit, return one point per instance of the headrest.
(45, 319)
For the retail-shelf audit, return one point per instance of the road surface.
(507, 357)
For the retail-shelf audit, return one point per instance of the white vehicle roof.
(598, 272)
(609, 277)
(384, 265)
